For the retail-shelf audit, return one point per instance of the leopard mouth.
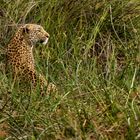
(44, 42)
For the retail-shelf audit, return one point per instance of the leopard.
(20, 59)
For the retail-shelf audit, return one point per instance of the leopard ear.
(26, 29)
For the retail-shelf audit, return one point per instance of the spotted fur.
(20, 55)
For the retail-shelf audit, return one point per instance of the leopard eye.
(38, 29)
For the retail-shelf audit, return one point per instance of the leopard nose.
(47, 35)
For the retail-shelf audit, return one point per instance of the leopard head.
(35, 33)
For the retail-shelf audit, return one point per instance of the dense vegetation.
(93, 56)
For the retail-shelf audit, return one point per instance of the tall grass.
(93, 56)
